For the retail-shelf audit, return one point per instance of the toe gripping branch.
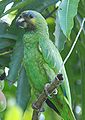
(48, 90)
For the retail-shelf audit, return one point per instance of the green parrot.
(42, 62)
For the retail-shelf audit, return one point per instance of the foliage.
(64, 21)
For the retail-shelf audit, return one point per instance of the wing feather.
(53, 59)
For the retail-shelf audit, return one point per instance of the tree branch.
(43, 96)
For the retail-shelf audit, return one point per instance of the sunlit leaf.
(3, 4)
(67, 11)
(60, 38)
(31, 4)
(14, 113)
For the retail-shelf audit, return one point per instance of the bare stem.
(5, 53)
(75, 41)
(50, 14)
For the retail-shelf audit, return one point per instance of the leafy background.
(64, 21)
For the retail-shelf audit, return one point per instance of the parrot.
(42, 62)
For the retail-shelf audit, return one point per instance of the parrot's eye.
(20, 16)
(31, 16)
(28, 15)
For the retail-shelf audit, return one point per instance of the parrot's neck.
(35, 36)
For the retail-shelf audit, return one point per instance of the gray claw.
(46, 91)
(35, 107)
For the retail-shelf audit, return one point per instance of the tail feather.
(61, 106)
(52, 106)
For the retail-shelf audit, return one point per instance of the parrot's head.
(31, 21)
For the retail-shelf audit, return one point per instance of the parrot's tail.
(52, 106)
(61, 106)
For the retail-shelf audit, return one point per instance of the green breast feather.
(33, 61)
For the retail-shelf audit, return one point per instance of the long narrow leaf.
(15, 63)
(23, 89)
(67, 11)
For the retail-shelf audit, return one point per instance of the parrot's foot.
(55, 92)
(42, 110)
(37, 108)
(46, 90)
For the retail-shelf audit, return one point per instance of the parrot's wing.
(53, 59)
(53, 63)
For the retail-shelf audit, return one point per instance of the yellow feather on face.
(33, 21)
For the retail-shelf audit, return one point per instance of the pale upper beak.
(20, 22)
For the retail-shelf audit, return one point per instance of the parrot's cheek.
(28, 24)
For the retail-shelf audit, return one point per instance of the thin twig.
(49, 14)
(5, 53)
(71, 50)
(43, 96)
(35, 115)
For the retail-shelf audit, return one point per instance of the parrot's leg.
(41, 109)
(51, 75)
(55, 92)
(46, 90)
(60, 77)
(43, 96)
(37, 109)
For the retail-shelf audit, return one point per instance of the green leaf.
(80, 22)
(52, 115)
(8, 36)
(6, 39)
(4, 60)
(31, 4)
(3, 27)
(51, 26)
(40, 5)
(6, 43)
(66, 13)
(3, 4)
(81, 8)
(81, 53)
(23, 89)
(60, 38)
(63, 106)
(16, 60)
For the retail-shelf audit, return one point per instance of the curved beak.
(20, 22)
(26, 23)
